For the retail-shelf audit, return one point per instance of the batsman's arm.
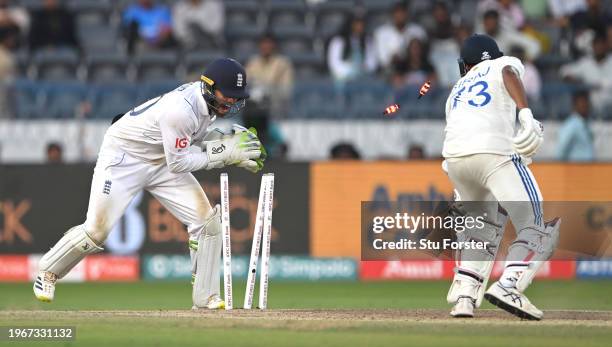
(514, 86)
(531, 133)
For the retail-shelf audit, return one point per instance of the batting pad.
(68, 252)
(208, 261)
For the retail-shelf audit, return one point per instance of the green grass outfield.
(364, 318)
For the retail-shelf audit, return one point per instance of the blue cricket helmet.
(227, 76)
(475, 49)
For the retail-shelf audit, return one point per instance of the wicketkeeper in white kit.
(486, 161)
(155, 147)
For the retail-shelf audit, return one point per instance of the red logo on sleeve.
(181, 143)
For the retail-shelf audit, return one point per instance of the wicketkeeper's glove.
(253, 165)
(233, 149)
(530, 136)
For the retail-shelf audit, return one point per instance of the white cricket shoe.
(512, 301)
(464, 308)
(44, 286)
(214, 303)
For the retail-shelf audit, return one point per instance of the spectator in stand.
(439, 25)
(391, 39)
(444, 47)
(609, 35)
(52, 27)
(149, 25)
(594, 70)
(562, 10)
(586, 24)
(416, 152)
(575, 142)
(189, 24)
(14, 18)
(511, 15)
(531, 79)
(7, 69)
(506, 39)
(55, 153)
(270, 77)
(415, 68)
(344, 151)
(351, 54)
(7, 61)
(594, 16)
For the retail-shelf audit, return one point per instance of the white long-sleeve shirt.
(208, 15)
(594, 74)
(163, 129)
(344, 69)
(390, 41)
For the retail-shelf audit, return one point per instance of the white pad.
(537, 246)
(68, 252)
(473, 265)
(207, 260)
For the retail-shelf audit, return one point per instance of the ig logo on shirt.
(181, 143)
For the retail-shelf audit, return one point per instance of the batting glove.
(530, 136)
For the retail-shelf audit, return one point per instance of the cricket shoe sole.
(512, 301)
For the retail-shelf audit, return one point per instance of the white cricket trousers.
(118, 177)
(502, 178)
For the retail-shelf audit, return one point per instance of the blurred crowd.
(408, 43)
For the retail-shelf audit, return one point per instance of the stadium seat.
(557, 98)
(308, 65)
(242, 13)
(331, 15)
(538, 107)
(91, 12)
(31, 4)
(155, 89)
(243, 42)
(106, 39)
(156, 66)
(62, 99)
(295, 39)
(22, 60)
(111, 99)
(288, 13)
(367, 98)
(316, 99)
(56, 64)
(378, 12)
(195, 62)
(107, 67)
(431, 106)
(28, 99)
